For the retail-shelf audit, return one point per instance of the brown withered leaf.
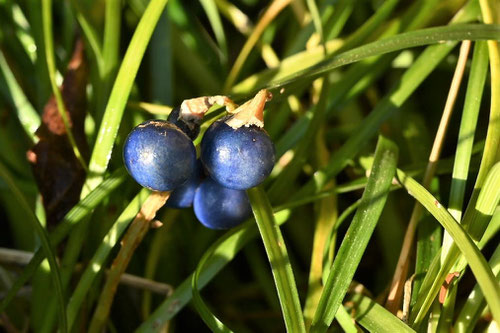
(57, 171)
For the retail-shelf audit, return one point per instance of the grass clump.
(385, 116)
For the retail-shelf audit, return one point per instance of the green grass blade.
(358, 234)
(454, 32)
(229, 245)
(208, 317)
(278, 258)
(490, 154)
(302, 60)
(475, 303)
(74, 216)
(316, 18)
(51, 66)
(409, 82)
(491, 230)
(110, 53)
(437, 273)
(345, 321)
(274, 8)
(119, 94)
(468, 123)
(44, 239)
(215, 21)
(96, 264)
(233, 241)
(477, 80)
(28, 117)
(428, 247)
(382, 13)
(287, 177)
(374, 317)
(336, 22)
(474, 258)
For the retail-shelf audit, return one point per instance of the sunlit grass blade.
(336, 22)
(402, 266)
(359, 233)
(301, 60)
(475, 303)
(474, 258)
(45, 242)
(233, 242)
(483, 211)
(316, 18)
(490, 154)
(271, 12)
(491, 230)
(410, 80)
(119, 94)
(156, 109)
(96, 264)
(374, 317)
(455, 32)
(238, 18)
(278, 258)
(22, 29)
(346, 321)
(110, 53)
(470, 114)
(74, 216)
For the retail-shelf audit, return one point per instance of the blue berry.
(159, 156)
(217, 207)
(182, 197)
(190, 127)
(237, 158)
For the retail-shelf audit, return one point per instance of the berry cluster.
(236, 154)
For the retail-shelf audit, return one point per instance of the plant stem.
(130, 241)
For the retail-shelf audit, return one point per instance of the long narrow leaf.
(475, 259)
(455, 32)
(374, 317)
(208, 317)
(359, 233)
(120, 92)
(278, 257)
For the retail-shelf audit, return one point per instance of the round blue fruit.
(237, 158)
(182, 197)
(190, 127)
(159, 156)
(218, 207)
